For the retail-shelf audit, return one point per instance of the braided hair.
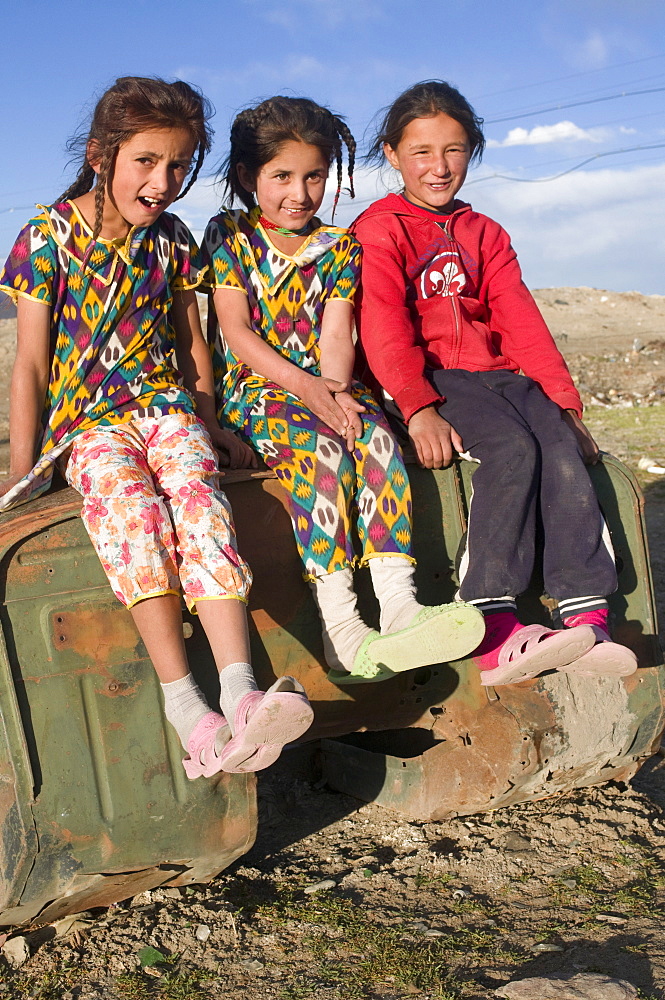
(258, 133)
(136, 104)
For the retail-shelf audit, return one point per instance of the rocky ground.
(341, 900)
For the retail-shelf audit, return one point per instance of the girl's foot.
(203, 733)
(264, 723)
(605, 658)
(204, 746)
(512, 652)
(436, 635)
(235, 681)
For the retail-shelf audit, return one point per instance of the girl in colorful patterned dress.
(283, 291)
(104, 282)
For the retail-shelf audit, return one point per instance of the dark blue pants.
(530, 466)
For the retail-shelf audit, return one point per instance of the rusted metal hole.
(50, 569)
(62, 638)
(59, 619)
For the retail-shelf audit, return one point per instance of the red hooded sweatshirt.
(446, 291)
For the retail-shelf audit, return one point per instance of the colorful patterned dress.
(112, 346)
(140, 457)
(333, 493)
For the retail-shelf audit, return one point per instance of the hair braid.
(200, 157)
(103, 176)
(344, 135)
(83, 183)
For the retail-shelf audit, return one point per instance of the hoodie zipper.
(453, 358)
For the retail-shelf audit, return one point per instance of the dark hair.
(425, 100)
(137, 104)
(258, 133)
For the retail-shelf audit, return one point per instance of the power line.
(578, 166)
(574, 104)
(652, 79)
(17, 208)
(569, 76)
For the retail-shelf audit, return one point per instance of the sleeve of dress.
(32, 264)
(190, 270)
(225, 269)
(345, 273)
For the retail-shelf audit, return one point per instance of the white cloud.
(594, 52)
(565, 131)
(604, 228)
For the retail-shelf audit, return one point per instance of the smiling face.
(433, 158)
(147, 177)
(290, 187)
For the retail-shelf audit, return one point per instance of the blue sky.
(546, 77)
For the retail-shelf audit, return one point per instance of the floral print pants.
(153, 510)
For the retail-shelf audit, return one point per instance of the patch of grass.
(639, 895)
(432, 881)
(587, 881)
(355, 955)
(173, 986)
(550, 929)
(133, 986)
(629, 433)
(45, 986)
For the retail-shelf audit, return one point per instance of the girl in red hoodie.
(452, 334)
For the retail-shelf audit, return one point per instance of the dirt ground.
(341, 900)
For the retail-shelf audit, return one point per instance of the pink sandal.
(534, 649)
(606, 658)
(264, 723)
(203, 759)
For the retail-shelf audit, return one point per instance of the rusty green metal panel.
(94, 803)
(96, 800)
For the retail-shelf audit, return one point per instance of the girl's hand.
(588, 447)
(318, 395)
(434, 439)
(233, 453)
(352, 408)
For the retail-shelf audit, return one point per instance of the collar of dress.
(72, 235)
(282, 265)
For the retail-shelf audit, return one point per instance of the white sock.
(343, 628)
(235, 681)
(184, 706)
(395, 589)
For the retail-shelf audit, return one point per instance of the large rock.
(583, 986)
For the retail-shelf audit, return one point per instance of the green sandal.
(436, 635)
